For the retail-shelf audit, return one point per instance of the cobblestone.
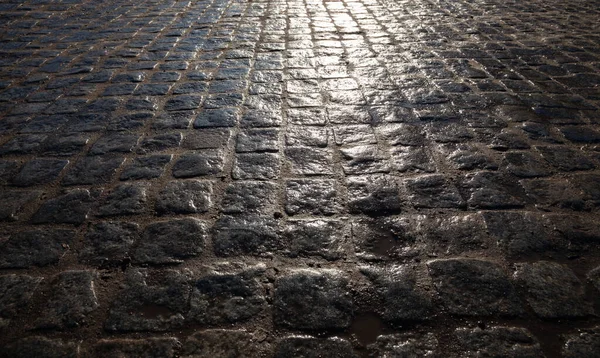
(296, 178)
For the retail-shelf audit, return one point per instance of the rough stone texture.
(185, 197)
(109, 242)
(312, 300)
(404, 295)
(16, 292)
(311, 196)
(250, 235)
(39, 346)
(145, 167)
(170, 242)
(301, 347)
(135, 348)
(470, 287)
(150, 303)
(498, 342)
(405, 345)
(39, 171)
(584, 344)
(35, 248)
(72, 298)
(13, 203)
(528, 233)
(315, 237)
(125, 199)
(243, 197)
(227, 296)
(223, 343)
(419, 157)
(70, 208)
(552, 290)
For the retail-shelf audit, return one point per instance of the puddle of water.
(366, 328)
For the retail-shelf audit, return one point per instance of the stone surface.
(14, 202)
(311, 196)
(405, 165)
(246, 235)
(35, 248)
(109, 242)
(125, 199)
(170, 242)
(310, 347)
(223, 343)
(185, 197)
(405, 345)
(150, 303)
(16, 292)
(312, 300)
(40, 171)
(145, 167)
(584, 344)
(70, 208)
(72, 298)
(498, 341)
(552, 290)
(470, 287)
(227, 296)
(404, 294)
(39, 346)
(135, 348)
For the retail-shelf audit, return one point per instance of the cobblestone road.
(299, 178)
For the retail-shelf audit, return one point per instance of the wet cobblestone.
(299, 178)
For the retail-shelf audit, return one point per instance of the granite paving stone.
(290, 178)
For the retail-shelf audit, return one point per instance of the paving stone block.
(261, 166)
(108, 242)
(224, 343)
(202, 163)
(257, 140)
(159, 143)
(149, 167)
(498, 341)
(552, 290)
(488, 190)
(222, 117)
(313, 300)
(583, 344)
(69, 208)
(243, 197)
(246, 235)
(92, 170)
(225, 296)
(403, 291)
(125, 199)
(309, 347)
(39, 171)
(171, 242)
(114, 143)
(373, 194)
(72, 299)
(431, 191)
(14, 202)
(39, 346)
(163, 347)
(408, 345)
(150, 302)
(312, 196)
(473, 287)
(185, 197)
(309, 161)
(16, 292)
